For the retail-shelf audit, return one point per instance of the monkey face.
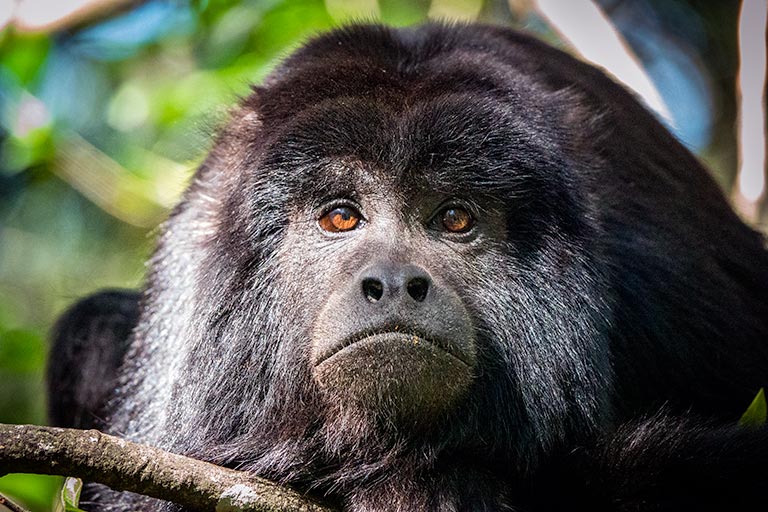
(393, 335)
(418, 251)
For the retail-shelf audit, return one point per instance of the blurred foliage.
(103, 120)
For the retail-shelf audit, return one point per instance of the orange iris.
(457, 220)
(341, 218)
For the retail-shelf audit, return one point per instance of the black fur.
(606, 280)
(89, 345)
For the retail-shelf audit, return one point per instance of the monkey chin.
(397, 376)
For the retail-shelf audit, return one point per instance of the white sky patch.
(751, 98)
(590, 32)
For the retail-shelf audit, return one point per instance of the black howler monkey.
(441, 268)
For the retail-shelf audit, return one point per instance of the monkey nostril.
(418, 288)
(373, 289)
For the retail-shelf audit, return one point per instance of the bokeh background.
(107, 106)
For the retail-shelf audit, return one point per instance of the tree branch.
(126, 466)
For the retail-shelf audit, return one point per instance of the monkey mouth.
(394, 374)
(390, 335)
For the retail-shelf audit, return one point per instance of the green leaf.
(34, 492)
(757, 411)
(24, 55)
(69, 500)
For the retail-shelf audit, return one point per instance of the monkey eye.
(339, 219)
(456, 219)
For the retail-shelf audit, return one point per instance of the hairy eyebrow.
(451, 144)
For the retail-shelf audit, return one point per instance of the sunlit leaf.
(755, 415)
(24, 55)
(288, 24)
(69, 499)
(347, 10)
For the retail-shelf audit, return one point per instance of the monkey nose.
(386, 281)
